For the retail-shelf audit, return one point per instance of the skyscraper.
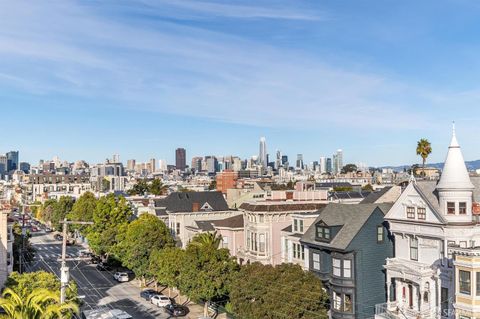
(299, 161)
(153, 165)
(131, 164)
(12, 161)
(3, 165)
(338, 161)
(180, 159)
(323, 165)
(262, 155)
(278, 160)
(329, 165)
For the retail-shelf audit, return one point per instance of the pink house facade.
(263, 225)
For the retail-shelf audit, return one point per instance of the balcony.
(391, 310)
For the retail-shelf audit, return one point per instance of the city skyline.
(281, 71)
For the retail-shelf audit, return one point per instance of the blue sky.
(84, 80)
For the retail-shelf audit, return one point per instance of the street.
(98, 287)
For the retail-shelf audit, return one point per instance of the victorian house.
(436, 269)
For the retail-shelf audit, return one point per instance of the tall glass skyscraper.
(262, 155)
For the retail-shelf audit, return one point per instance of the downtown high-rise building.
(328, 165)
(131, 164)
(323, 165)
(153, 166)
(3, 165)
(180, 159)
(262, 154)
(12, 161)
(278, 160)
(299, 161)
(337, 161)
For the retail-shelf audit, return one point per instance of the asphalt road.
(98, 287)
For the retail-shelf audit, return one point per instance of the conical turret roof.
(454, 175)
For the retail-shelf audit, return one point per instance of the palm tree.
(40, 304)
(207, 240)
(424, 148)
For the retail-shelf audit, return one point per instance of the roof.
(376, 195)
(454, 174)
(288, 228)
(333, 184)
(351, 218)
(281, 206)
(349, 195)
(230, 222)
(184, 202)
(205, 225)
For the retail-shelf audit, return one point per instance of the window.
(295, 225)
(323, 232)
(413, 249)
(451, 208)
(441, 250)
(300, 225)
(444, 301)
(178, 229)
(411, 212)
(316, 261)
(462, 208)
(260, 218)
(261, 244)
(478, 284)
(347, 303)
(337, 267)
(463, 244)
(224, 242)
(249, 236)
(464, 317)
(302, 250)
(421, 213)
(347, 268)
(464, 282)
(337, 301)
(380, 234)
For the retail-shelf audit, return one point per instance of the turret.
(455, 189)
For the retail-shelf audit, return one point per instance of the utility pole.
(64, 270)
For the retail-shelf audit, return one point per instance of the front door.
(410, 296)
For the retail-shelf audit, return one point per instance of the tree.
(110, 217)
(424, 148)
(142, 237)
(156, 187)
(39, 304)
(206, 240)
(46, 211)
(60, 211)
(21, 245)
(24, 284)
(83, 210)
(257, 290)
(164, 265)
(205, 274)
(213, 185)
(105, 184)
(368, 188)
(139, 188)
(349, 168)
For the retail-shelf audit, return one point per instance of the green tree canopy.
(39, 304)
(46, 210)
(60, 211)
(207, 241)
(349, 168)
(368, 187)
(156, 187)
(24, 284)
(111, 217)
(206, 273)
(143, 236)
(258, 287)
(83, 210)
(424, 148)
(165, 264)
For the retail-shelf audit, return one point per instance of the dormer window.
(298, 225)
(451, 208)
(323, 233)
(421, 213)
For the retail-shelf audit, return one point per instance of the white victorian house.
(432, 224)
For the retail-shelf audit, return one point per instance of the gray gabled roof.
(349, 218)
(374, 196)
(230, 222)
(184, 202)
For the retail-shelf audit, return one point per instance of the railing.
(391, 311)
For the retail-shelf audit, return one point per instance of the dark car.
(58, 237)
(176, 310)
(94, 260)
(147, 294)
(103, 266)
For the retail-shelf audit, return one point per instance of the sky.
(139, 78)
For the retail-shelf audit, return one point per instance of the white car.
(160, 300)
(121, 277)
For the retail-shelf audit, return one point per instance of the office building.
(3, 164)
(180, 159)
(131, 164)
(299, 161)
(197, 163)
(12, 161)
(323, 165)
(153, 166)
(25, 167)
(328, 165)
(262, 155)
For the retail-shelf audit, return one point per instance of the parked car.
(34, 229)
(160, 300)
(58, 237)
(175, 310)
(121, 276)
(93, 260)
(103, 266)
(48, 229)
(147, 294)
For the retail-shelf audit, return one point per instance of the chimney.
(195, 207)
